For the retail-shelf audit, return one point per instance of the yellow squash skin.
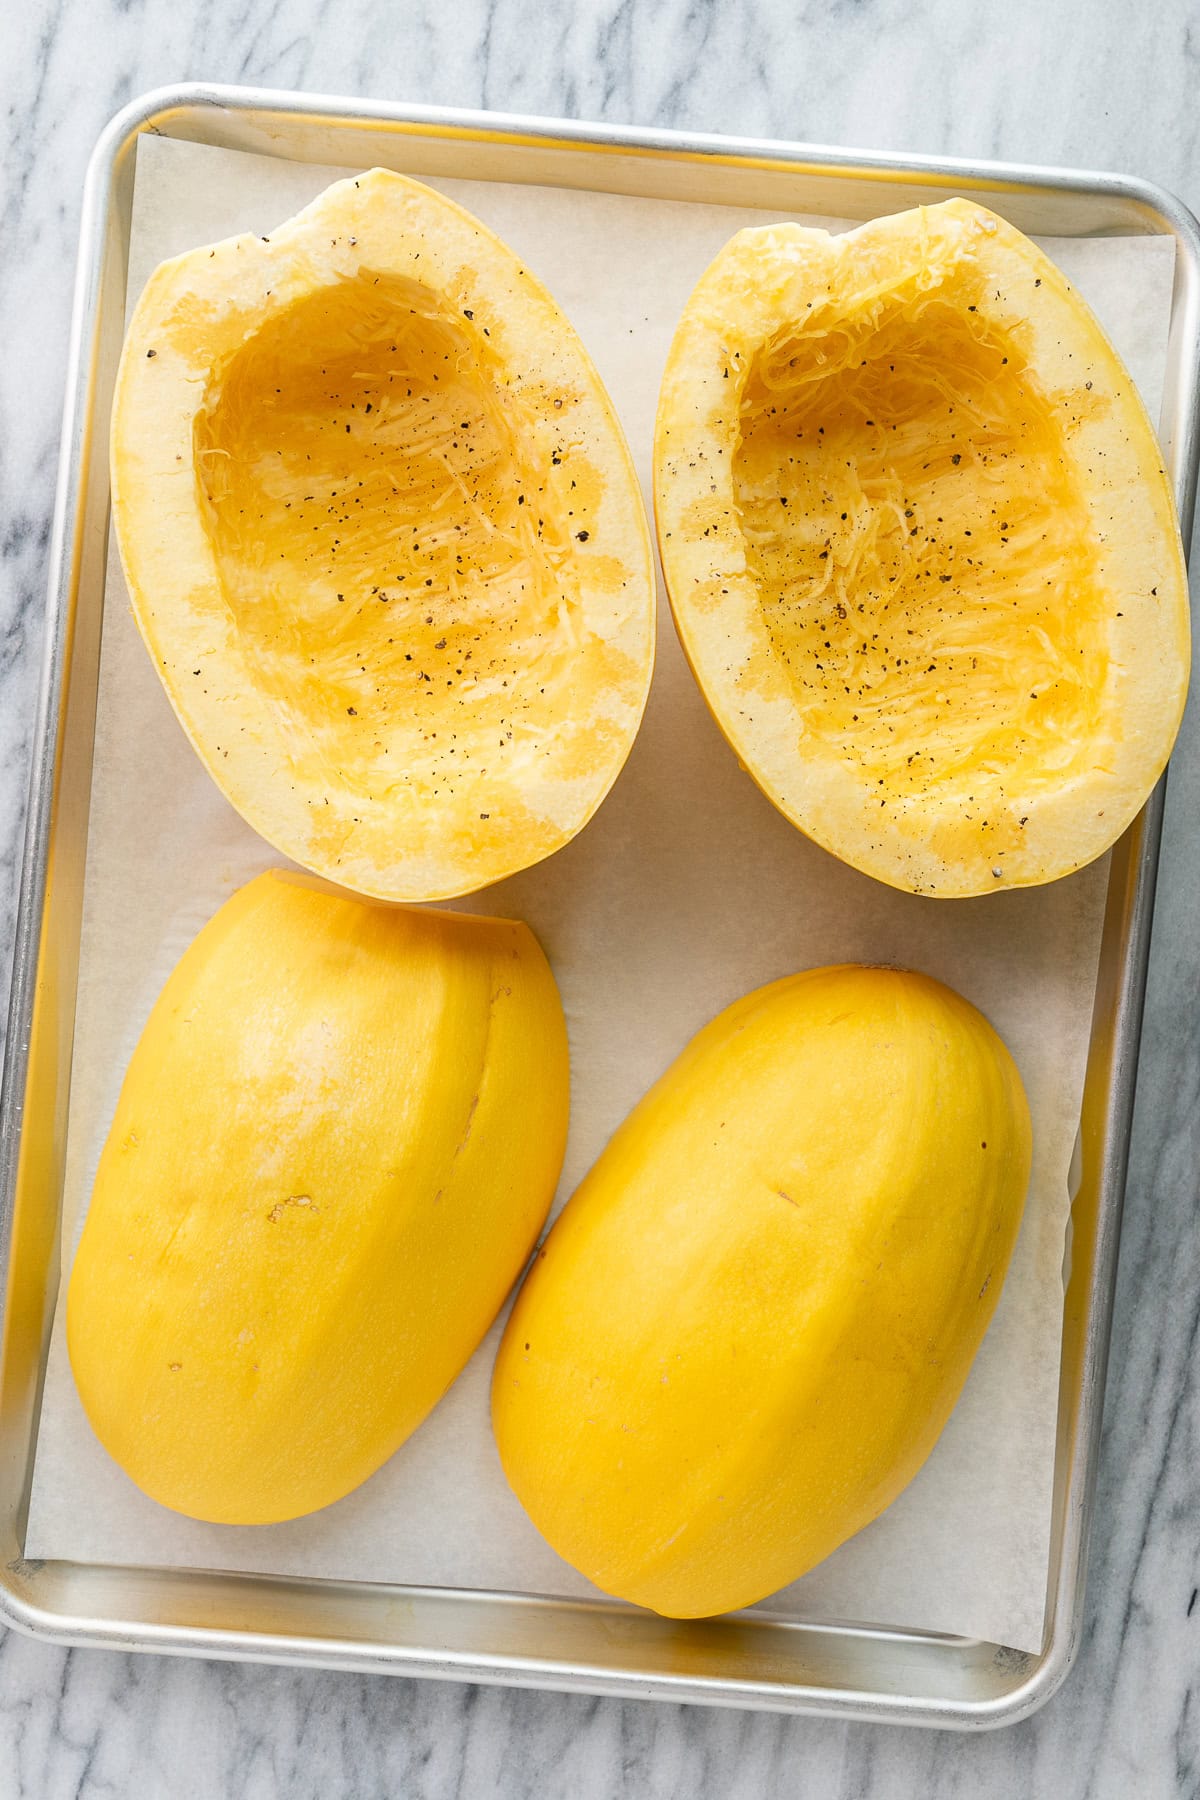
(921, 548)
(337, 1140)
(384, 540)
(750, 1324)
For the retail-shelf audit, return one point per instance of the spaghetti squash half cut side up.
(921, 548)
(384, 541)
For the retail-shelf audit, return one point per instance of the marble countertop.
(1068, 85)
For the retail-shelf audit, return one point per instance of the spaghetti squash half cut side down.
(384, 541)
(335, 1144)
(921, 548)
(750, 1323)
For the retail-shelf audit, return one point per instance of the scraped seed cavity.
(394, 549)
(920, 548)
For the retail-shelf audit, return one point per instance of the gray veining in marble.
(1085, 82)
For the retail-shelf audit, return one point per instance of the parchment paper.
(686, 890)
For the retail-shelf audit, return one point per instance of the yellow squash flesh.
(750, 1324)
(384, 540)
(337, 1140)
(921, 548)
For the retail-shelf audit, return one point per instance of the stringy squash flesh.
(921, 549)
(384, 541)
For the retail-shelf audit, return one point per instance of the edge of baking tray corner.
(41, 788)
(532, 1673)
(1181, 432)
(153, 108)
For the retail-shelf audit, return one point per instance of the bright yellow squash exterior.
(921, 548)
(334, 1148)
(384, 540)
(750, 1324)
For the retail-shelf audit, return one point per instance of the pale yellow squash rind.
(749, 1325)
(335, 1145)
(1011, 826)
(381, 805)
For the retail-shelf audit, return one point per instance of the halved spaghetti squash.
(749, 1325)
(384, 540)
(921, 549)
(335, 1144)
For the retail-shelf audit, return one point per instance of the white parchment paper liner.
(687, 890)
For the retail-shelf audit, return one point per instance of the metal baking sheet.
(747, 1661)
